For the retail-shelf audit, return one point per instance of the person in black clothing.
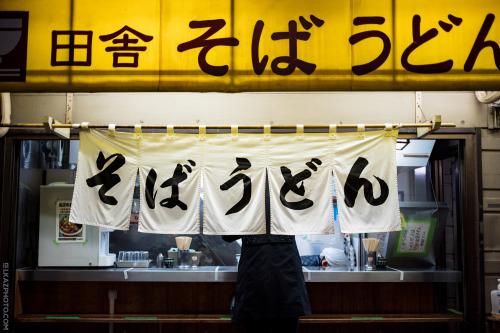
(270, 291)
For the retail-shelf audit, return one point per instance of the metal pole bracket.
(63, 133)
(435, 125)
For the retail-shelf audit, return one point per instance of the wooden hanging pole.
(246, 127)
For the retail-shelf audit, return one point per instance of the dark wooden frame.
(471, 232)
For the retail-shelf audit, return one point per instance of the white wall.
(309, 108)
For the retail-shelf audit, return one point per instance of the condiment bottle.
(495, 301)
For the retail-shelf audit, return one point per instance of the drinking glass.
(127, 256)
(194, 261)
(183, 258)
(371, 261)
(144, 256)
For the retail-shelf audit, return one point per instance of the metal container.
(159, 261)
(173, 253)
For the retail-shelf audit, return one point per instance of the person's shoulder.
(230, 238)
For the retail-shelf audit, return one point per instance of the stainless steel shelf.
(391, 274)
(229, 274)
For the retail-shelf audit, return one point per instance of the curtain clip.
(388, 129)
(332, 131)
(300, 132)
(138, 130)
(202, 132)
(234, 132)
(267, 132)
(170, 132)
(85, 125)
(361, 131)
(112, 130)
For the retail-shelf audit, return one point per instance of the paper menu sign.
(67, 231)
(415, 239)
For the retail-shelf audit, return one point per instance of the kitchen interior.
(429, 175)
(428, 185)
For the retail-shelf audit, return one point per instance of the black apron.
(270, 280)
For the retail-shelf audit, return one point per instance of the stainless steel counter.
(229, 274)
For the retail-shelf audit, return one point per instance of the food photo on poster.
(68, 231)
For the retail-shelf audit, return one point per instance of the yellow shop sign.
(244, 45)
